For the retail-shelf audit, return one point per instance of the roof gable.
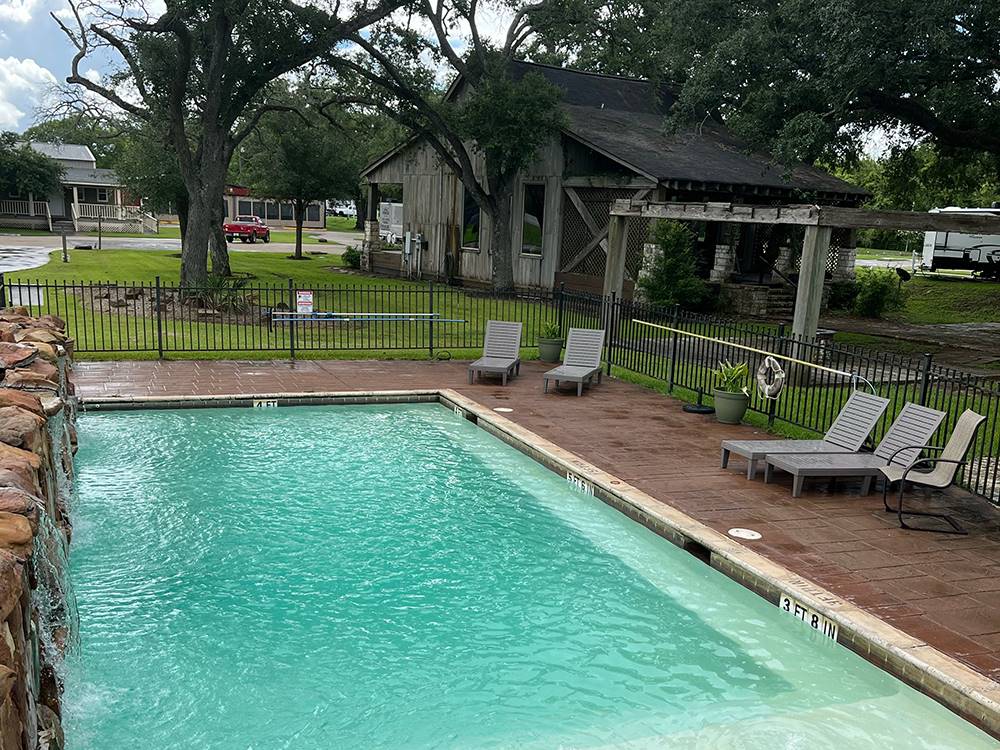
(69, 152)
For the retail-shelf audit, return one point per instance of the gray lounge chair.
(847, 434)
(941, 476)
(501, 351)
(582, 360)
(900, 445)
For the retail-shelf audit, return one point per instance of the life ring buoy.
(770, 378)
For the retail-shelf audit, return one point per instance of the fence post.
(99, 231)
(674, 320)
(159, 320)
(3, 290)
(772, 403)
(291, 319)
(925, 377)
(612, 305)
(430, 320)
(65, 252)
(562, 303)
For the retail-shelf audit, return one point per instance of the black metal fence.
(676, 349)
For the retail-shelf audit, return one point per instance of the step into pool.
(395, 577)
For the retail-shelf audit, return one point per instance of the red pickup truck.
(247, 228)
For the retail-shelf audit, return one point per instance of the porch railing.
(108, 211)
(27, 209)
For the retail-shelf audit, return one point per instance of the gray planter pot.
(730, 407)
(549, 349)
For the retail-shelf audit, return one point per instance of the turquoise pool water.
(394, 577)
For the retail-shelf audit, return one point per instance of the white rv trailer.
(390, 222)
(979, 253)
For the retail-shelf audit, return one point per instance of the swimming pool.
(394, 577)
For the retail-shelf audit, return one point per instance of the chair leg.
(545, 387)
(767, 471)
(724, 461)
(600, 376)
(503, 378)
(797, 481)
(885, 496)
(955, 526)
(579, 388)
(866, 485)
(470, 377)
(751, 469)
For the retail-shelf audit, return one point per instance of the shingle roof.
(625, 119)
(85, 176)
(68, 151)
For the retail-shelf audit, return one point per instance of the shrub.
(843, 293)
(672, 278)
(880, 291)
(352, 258)
(550, 330)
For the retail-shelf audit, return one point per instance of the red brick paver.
(942, 589)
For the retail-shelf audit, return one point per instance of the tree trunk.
(361, 209)
(182, 216)
(220, 250)
(194, 252)
(500, 243)
(300, 209)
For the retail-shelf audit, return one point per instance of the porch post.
(31, 204)
(614, 271)
(76, 200)
(809, 292)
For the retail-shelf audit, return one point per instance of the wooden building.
(615, 145)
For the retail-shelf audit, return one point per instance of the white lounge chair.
(847, 434)
(912, 428)
(582, 360)
(501, 351)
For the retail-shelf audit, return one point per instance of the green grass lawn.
(936, 300)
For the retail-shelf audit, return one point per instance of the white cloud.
(23, 85)
(18, 11)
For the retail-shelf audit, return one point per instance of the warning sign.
(303, 301)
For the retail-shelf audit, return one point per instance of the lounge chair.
(582, 360)
(847, 434)
(900, 445)
(501, 351)
(941, 476)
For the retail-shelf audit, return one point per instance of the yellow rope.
(747, 348)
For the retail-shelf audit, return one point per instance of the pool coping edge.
(968, 693)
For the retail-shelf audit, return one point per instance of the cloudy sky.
(34, 54)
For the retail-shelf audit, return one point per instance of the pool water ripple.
(359, 577)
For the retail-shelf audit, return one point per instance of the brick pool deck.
(944, 590)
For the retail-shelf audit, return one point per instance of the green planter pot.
(730, 407)
(549, 349)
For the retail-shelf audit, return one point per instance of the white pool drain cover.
(504, 409)
(744, 533)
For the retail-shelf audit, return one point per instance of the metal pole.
(674, 319)
(430, 309)
(611, 329)
(562, 304)
(925, 378)
(99, 231)
(65, 251)
(772, 403)
(291, 321)
(3, 291)
(159, 320)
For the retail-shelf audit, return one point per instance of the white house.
(87, 196)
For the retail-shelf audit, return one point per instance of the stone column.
(725, 263)
(847, 255)
(371, 243)
(784, 261)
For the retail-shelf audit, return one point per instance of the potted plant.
(549, 342)
(731, 395)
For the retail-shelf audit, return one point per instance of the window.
(244, 208)
(102, 195)
(532, 219)
(272, 210)
(312, 212)
(470, 222)
(258, 209)
(287, 212)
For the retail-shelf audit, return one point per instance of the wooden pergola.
(819, 223)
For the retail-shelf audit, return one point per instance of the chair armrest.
(911, 447)
(930, 460)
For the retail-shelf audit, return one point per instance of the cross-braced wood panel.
(585, 224)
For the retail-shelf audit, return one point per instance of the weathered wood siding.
(432, 207)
